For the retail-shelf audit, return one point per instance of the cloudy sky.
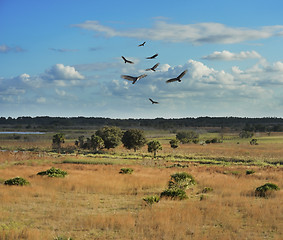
(63, 58)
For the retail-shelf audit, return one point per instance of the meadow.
(95, 201)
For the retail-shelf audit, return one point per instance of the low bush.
(151, 200)
(53, 172)
(266, 190)
(174, 194)
(207, 189)
(181, 180)
(16, 181)
(248, 172)
(126, 171)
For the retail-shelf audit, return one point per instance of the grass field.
(94, 201)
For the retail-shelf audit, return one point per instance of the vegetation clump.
(207, 189)
(126, 170)
(181, 180)
(174, 194)
(133, 139)
(187, 137)
(174, 143)
(53, 172)
(249, 172)
(151, 200)
(16, 181)
(154, 146)
(266, 190)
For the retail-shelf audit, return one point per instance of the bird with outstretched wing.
(152, 57)
(127, 61)
(177, 78)
(133, 79)
(152, 101)
(142, 44)
(153, 68)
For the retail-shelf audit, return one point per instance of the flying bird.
(153, 102)
(177, 78)
(153, 68)
(152, 57)
(133, 79)
(141, 45)
(127, 61)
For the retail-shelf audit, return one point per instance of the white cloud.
(5, 49)
(199, 33)
(229, 56)
(61, 93)
(61, 72)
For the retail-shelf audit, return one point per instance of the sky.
(64, 58)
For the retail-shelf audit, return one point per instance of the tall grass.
(96, 202)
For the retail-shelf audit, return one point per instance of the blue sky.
(63, 58)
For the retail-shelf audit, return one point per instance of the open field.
(94, 201)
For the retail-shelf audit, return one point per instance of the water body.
(22, 132)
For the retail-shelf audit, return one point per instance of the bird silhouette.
(177, 78)
(141, 45)
(133, 79)
(153, 68)
(127, 61)
(152, 57)
(153, 102)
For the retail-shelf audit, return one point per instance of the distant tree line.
(236, 123)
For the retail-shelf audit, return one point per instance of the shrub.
(181, 180)
(174, 193)
(151, 200)
(266, 189)
(53, 172)
(254, 142)
(126, 170)
(248, 172)
(207, 189)
(16, 181)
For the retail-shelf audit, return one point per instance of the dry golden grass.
(96, 202)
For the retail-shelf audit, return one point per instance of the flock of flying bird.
(135, 79)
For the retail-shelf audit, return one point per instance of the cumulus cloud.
(199, 33)
(5, 49)
(61, 72)
(229, 56)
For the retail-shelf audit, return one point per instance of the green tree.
(57, 140)
(133, 139)
(110, 135)
(154, 146)
(174, 143)
(187, 136)
(96, 142)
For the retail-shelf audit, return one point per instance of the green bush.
(53, 172)
(16, 181)
(248, 172)
(151, 200)
(266, 190)
(181, 180)
(207, 189)
(174, 193)
(126, 170)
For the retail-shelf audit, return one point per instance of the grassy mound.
(266, 190)
(16, 181)
(53, 172)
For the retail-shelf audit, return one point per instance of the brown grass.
(96, 202)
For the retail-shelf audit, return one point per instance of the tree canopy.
(133, 139)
